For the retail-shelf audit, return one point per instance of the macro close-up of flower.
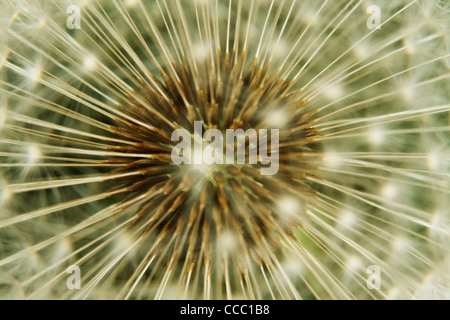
(224, 149)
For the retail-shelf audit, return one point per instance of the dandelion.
(87, 179)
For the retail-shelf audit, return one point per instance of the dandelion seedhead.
(350, 108)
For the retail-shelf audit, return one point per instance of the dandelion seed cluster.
(87, 180)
